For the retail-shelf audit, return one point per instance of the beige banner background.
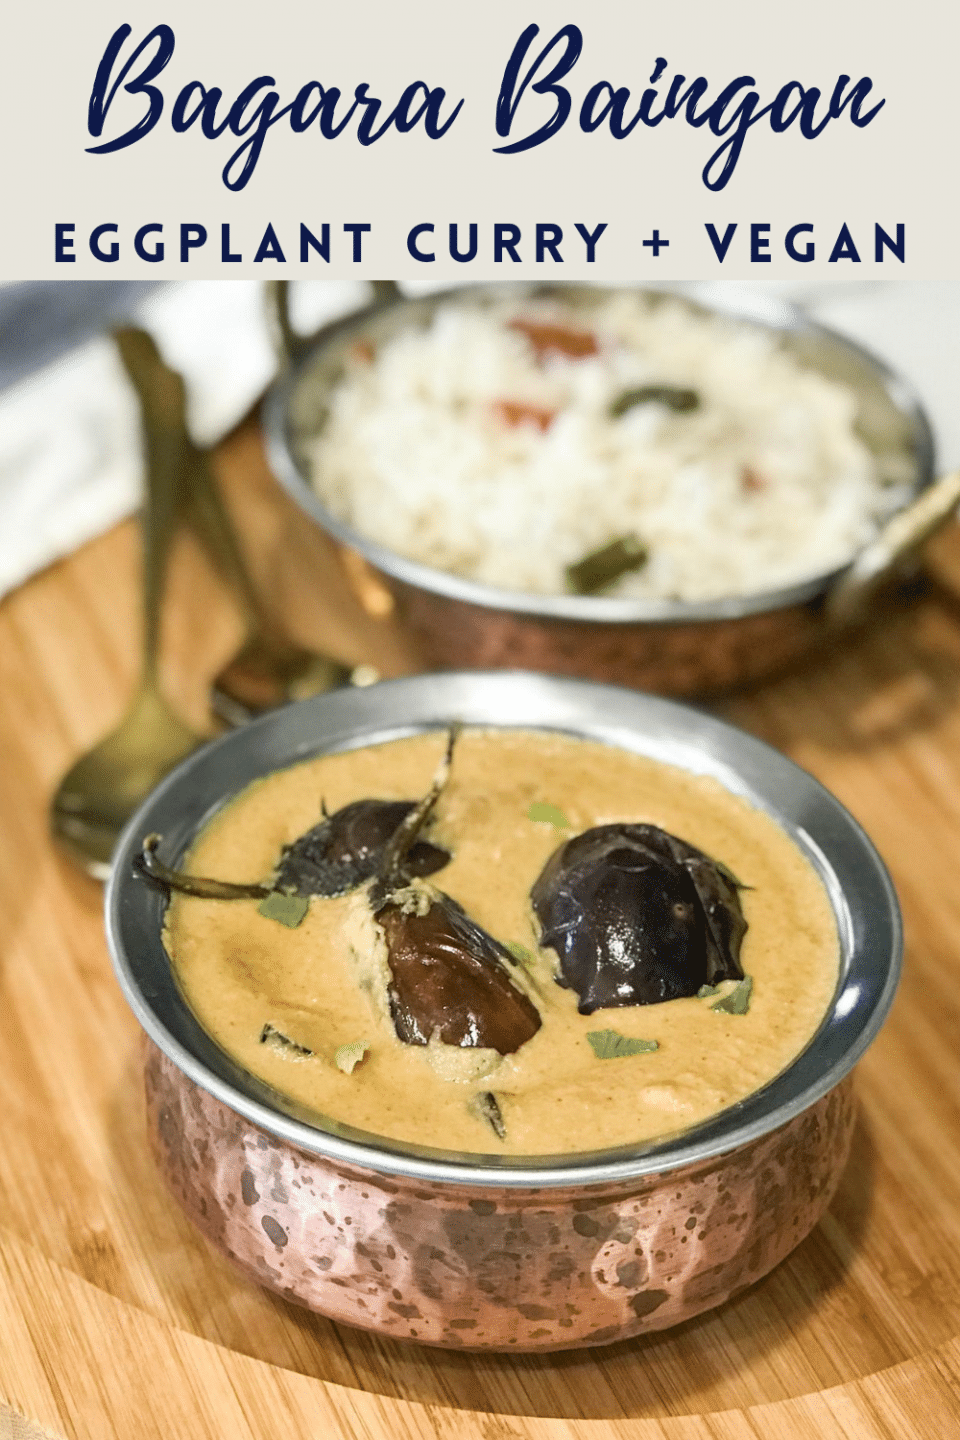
(900, 169)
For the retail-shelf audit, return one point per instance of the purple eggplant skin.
(346, 849)
(450, 980)
(637, 916)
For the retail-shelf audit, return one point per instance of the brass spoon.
(101, 791)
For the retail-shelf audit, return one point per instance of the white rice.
(765, 483)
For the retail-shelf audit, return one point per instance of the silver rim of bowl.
(781, 317)
(864, 901)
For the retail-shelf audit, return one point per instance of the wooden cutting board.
(116, 1320)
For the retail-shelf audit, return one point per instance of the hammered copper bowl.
(486, 1251)
(670, 647)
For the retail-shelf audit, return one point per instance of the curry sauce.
(303, 1007)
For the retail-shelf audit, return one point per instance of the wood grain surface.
(116, 1320)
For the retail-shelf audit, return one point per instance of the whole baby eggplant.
(450, 979)
(637, 916)
(340, 854)
(346, 848)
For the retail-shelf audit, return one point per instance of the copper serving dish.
(490, 1251)
(669, 647)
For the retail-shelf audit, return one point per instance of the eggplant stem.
(270, 1035)
(201, 887)
(403, 838)
(486, 1107)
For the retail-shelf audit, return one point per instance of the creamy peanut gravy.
(240, 970)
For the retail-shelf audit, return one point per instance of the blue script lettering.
(511, 95)
(101, 97)
(255, 110)
(730, 115)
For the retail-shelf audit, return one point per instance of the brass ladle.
(267, 670)
(101, 791)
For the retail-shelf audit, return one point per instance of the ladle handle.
(287, 343)
(211, 522)
(900, 540)
(163, 415)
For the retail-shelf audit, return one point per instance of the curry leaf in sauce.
(544, 814)
(738, 1001)
(287, 910)
(611, 1045)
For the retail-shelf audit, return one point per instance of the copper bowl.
(670, 647)
(495, 1252)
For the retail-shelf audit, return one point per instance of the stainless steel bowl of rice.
(614, 483)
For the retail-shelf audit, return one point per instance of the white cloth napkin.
(69, 436)
(70, 463)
